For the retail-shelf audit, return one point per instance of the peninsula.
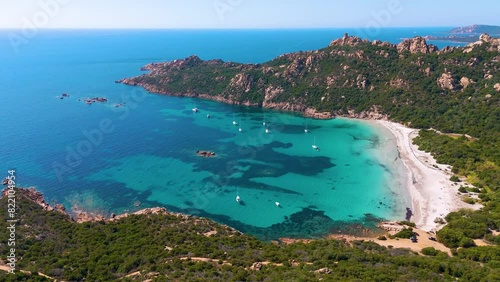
(467, 34)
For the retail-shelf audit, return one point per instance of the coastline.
(431, 192)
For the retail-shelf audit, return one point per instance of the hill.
(163, 246)
(411, 82)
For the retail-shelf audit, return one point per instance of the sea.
(138, 150)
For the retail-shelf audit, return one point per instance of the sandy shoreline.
(432, 194)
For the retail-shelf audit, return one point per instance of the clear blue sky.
(246, 13)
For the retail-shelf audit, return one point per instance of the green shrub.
(469, 200)
(409, 223)
(406, 233)
(430, 251)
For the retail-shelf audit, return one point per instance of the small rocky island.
(64, 95)
(90, 101)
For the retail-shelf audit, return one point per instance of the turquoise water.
(116, 159)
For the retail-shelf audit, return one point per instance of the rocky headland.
(352, 77)
(79, 215)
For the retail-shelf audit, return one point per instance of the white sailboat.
(277, 204)
(314, 145)
(238, 199)
(306, 130)
(267, 130)
(195, 110)
(234, 121)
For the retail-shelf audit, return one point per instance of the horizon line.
(212, 28)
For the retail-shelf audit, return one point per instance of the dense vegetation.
(166, 247)
(455, 90)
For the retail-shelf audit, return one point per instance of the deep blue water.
(109, 159)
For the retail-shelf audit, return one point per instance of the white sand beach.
(432, 194)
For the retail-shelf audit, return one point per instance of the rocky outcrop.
(446, 81)
(428, 71)
(256, 266)
(374, 113)
(416, 45)
(221, 99)
(398, 83)
(147, 211)
(497, 87)
(348, 40)
(37, 197)
(493, 44)
(465, 82)
(242, 82)
(383, 44)
(60, 208)
(271, 92)
(83, 216)
(447, 49)
(292, 106)
(324, 270)
(313, 113)
(361, 82)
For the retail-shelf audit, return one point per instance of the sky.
(245, 13)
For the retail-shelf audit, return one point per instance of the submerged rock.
(206, 154)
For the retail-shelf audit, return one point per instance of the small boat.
(240, 129)
(277, 204)
(234, 121)
(195, 110)
(267, 130)
(306, 130)
(208, 116)
(238, 199)
(314, 145)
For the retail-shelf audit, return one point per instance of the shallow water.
(115, 159)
